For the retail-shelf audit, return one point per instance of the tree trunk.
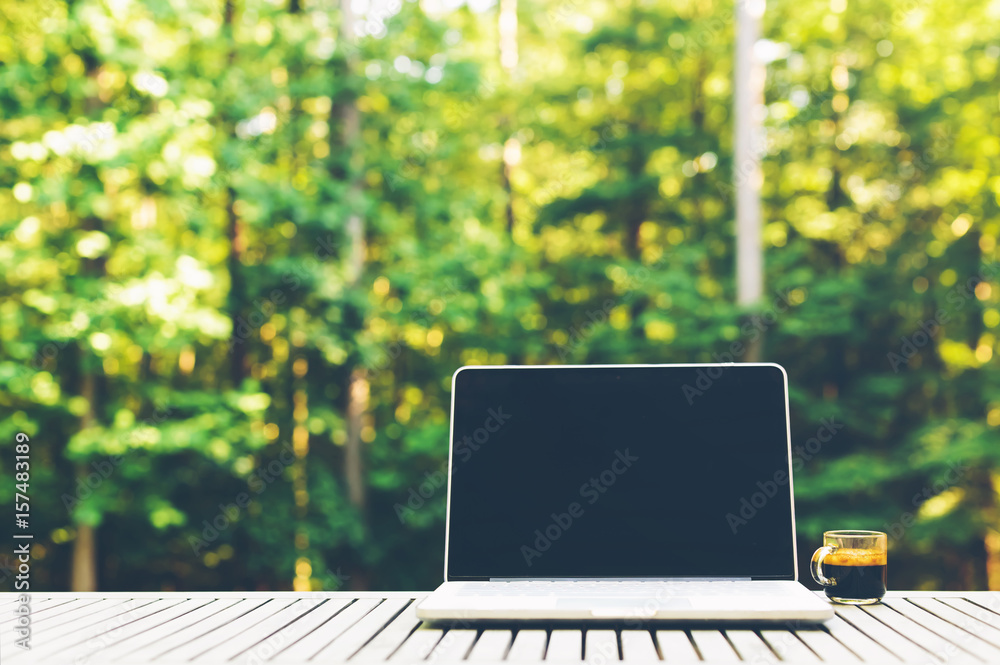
(346, 115)
(637, 207)
(83, 576)
(357, 405)
(506, 167)
(84, 573)
(237, 292)
(992, 543)
(747, 98)
(507, 31)
(236, 299)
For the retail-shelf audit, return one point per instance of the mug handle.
(817, 563)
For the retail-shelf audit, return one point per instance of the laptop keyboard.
(627, 589)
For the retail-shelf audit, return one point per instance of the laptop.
(621, 492)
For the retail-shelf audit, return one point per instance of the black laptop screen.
(620, 472)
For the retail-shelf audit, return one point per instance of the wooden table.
(247, 628)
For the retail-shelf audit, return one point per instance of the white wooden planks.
(491, 645)
(391, 638)
(91, 634)
(250, 628)
(788, 646)
(455, 645)
(565, 646)
(305, 619)
(61, 616)
(713, 646)
(751, 647)
(362, 632)
(239, 629)
(921, 635)
(417, 646)
(308, 645)
(823, 643)
(637, 645)
(38, 606)
(529, 646)
(961, 634)
(866, 624)
(227, 613)
(600, 646)
(859, 643)
(676, 647)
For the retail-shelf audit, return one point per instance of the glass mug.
(851, 566)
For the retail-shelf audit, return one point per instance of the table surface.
(83, 628)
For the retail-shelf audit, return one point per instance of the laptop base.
(758, 601)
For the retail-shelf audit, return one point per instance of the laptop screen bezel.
(788, 444)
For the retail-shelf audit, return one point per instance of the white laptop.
(621, 492)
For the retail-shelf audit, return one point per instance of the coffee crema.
(855, 557)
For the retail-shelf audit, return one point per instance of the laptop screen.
(620, 471)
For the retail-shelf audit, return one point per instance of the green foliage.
(179, 319)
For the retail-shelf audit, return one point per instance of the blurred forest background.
(244, 246)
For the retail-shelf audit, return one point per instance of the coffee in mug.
(851, 566)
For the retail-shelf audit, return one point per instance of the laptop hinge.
(620, 579)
